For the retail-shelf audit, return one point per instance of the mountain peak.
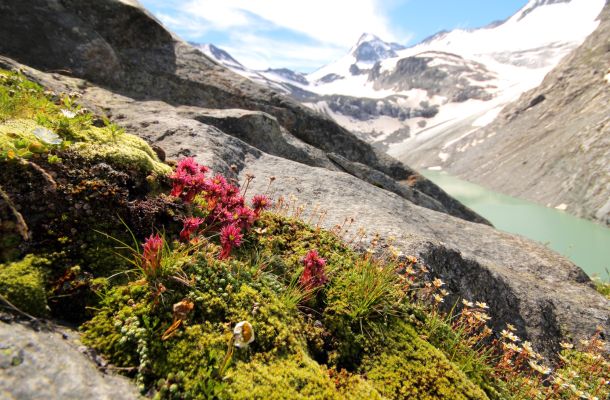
(534, 4)
(367, 37)
(218, 54)
(370, 48)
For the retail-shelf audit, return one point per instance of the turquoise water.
(586, 243)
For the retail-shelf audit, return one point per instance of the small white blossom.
(68, 113)
(47, 136)
(243, 334)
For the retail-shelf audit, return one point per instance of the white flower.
(47, 136)
(438, 299)
(68, 113)
(243, 334)
(539, 368)
(482, 305)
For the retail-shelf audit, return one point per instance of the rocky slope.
(125, 64)
(552, 146)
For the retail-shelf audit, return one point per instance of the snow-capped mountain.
(445, 87)
(282, 80)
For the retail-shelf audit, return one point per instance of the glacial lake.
(586, 243)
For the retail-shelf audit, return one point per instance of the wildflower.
(246, 217)
(151, 255)
(47, 136)
(190, 226)
(539, 368)
(438, 283)
(68, 114)
(566, 345)
(481, 317)
(511, 327)
(509, 335)
(260, 202)
(467, 303)
(482, 305)
(438, 298)
(512, 346)
(188, 179)
(243, 334)
(189, 166)
(230, 237)
(313, 275)
(444, 293)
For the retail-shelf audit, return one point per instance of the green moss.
(408, 367)
(294, 377)
(602, 287)
(22, 284)
(24, 107)
(384, 355)
(95, 144)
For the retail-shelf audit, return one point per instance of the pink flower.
(188, 180)
(313, 275)
(151, 255)
(230, 237)
(260, 202)
(190, 226)
(246, 217)
(189, 166)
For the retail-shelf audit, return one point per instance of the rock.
(263, 131)
(438, 73)
(438, 201)
(46, 364)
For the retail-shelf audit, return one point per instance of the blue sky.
(305, 35)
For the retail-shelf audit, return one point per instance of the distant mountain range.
(397, 97)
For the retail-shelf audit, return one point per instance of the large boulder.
(50, 363)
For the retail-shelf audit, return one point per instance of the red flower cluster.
(313, 275)
(260, 202)
(225, 209)
(188, 179)
(191, 225)
(151, 255)
(230, 236)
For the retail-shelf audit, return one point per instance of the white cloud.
(280, 33)
(338, 22)
(259, 52)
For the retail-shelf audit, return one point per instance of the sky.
(305, 35)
